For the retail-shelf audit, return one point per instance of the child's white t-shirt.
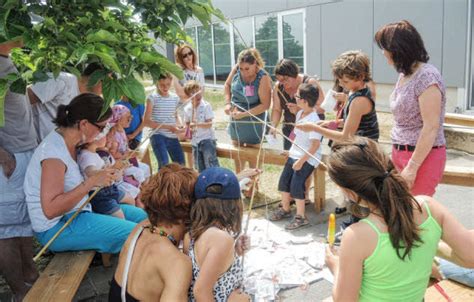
(303, 139)
(86, 159)
(201, 114)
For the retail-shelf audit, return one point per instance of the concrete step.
(459, 137)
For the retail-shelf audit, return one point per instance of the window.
(243, 35)
(206, 55)
(266, 40)
(292, 32)
(222, 52)
(276, 36)
(191, 32)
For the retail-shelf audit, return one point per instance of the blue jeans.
(92, 231)
(162, 146)
(205, 155)
(459, 274)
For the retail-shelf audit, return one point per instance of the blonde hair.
(178, 55)
(354, 64)
(251, 56)
(191, 87)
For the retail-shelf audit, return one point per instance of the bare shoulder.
(360, 238)
(218, 238)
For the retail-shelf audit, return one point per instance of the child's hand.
(331, 259)
(242, 244)
(307, 127)
(341, 97)
(298, 165)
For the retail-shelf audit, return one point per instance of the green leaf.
(111, 91)
(3, 93)
(73, 70)
(201, 13)
(165, 64)
(96, 77)
(40, 76)
(108, 61)
(133, 89)
(18, 86)
(102, 35)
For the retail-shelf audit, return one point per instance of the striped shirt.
(164, 111)
(368, 126)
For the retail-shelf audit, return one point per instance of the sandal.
(279, 215)
(297, 222)
(340, 210)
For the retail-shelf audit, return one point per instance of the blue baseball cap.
(217, 176)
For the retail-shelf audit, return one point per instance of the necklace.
(162, 233)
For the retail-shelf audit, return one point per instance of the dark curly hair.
(168, 195)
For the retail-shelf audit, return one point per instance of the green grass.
(215, 97)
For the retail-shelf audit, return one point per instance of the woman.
(150, 264)
(289, 79)
(55, 187)
(249, 88)
(387, 256)
(167, 197)
(186, 59)
(418, 104)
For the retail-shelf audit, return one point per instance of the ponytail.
(85, 106)
(361, 166)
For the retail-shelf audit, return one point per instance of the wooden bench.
(460, 176)
(274, 157)
(61, 278)
(459, 119)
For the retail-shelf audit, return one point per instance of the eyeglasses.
(101, 128)
(185, 55)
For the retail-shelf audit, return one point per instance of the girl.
(352, 69)
(387, 256)
(107, 200)
(117, 143)
(216, 220)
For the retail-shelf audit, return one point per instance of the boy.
(198, 117)
(161, 112)
(299, 165)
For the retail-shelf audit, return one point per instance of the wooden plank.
(319, 190)
(461, 176)
(61, 278)
(459, 119)
(456, 291)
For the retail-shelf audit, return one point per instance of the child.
(107, 200)
(198, 117)
(135, 130)
(299, 165)
(117, 143)
(216, 220)
(161, 112)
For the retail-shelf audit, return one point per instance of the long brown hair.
(178, 55)
(168, 195)
(405, 44)
(213, 212)
(361, 166)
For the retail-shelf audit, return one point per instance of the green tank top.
(388, 278)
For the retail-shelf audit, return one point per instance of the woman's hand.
(331, 259)
(8, 162)
(292, 107)
(103, 178)
(409, 173)
(307, 127)
(237, 115)
(227, 108)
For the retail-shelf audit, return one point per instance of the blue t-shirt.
(137, 114)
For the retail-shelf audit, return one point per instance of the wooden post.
(319, 189)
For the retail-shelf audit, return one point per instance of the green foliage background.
(67, 35)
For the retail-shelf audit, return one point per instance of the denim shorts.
(107, 200)
(205, 155)
(292, 181)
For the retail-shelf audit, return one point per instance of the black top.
(368, 126)
(115, 293)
